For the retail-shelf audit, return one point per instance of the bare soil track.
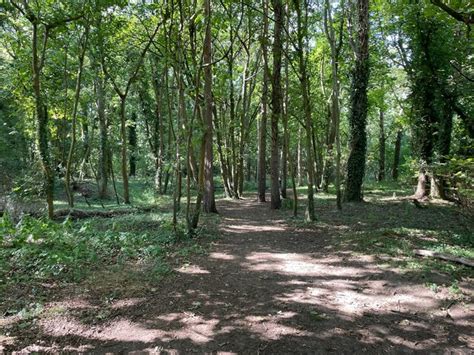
(266, 287)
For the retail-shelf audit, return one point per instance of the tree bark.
(276, 103)
(334, 135)
(222, 159)
(74, 118)
(123, 150)
(42, 120)
(132, 141)
(284, 159)
(262, 133)
(358, 108)
(209, 198)
(381, 173)
(396, 155)
(303, 76)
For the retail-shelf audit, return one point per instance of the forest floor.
(269, 284)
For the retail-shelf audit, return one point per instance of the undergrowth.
(39, 250)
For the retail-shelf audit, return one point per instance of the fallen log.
(455, 259)
(82, 214)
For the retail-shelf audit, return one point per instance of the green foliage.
(399, 243)
(40, 250)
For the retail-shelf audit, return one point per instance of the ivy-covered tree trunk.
(42, 122)
(276, 103)
(358, 107)
(209, 198)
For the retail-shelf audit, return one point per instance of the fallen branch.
(432, 254)
(82, 214)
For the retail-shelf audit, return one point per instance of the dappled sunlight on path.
(269, 287)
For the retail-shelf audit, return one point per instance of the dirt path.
(268, 287)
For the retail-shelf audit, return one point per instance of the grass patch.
(399, 243)
(36, 252)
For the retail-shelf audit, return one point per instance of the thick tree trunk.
(276, 103)
(421, 188)
(359, 105)
(381, 173)
(209, 198)
(396, 155)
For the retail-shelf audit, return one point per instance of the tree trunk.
(74, 119)
(276, 103)
(42, 124)
(299, 163)
(335, 113)
(132, 141)
(209, 198)
(222, 159)
(303, 76)
(284, 159)
(262, 133)
(381, 174)
(421, 189)
(103, 134)
(358, 108)
(123, 136)
(396, 155)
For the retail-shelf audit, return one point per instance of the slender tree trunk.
(220, 151)
(381, 174)
(103, 142)
(124, 150)
(286, 134)
(276, 103)
(86, 138)
(42, 123)
(335, 112)
(299, 162)
(262, 133)
(303, 76)
(132, 141)
(242, 130)
(396, 155)
(293, 185)
(209, 198)
(233, 165)
(159, 127)
(359, 105)
(74, 119)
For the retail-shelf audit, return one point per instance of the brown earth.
(267, 286)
